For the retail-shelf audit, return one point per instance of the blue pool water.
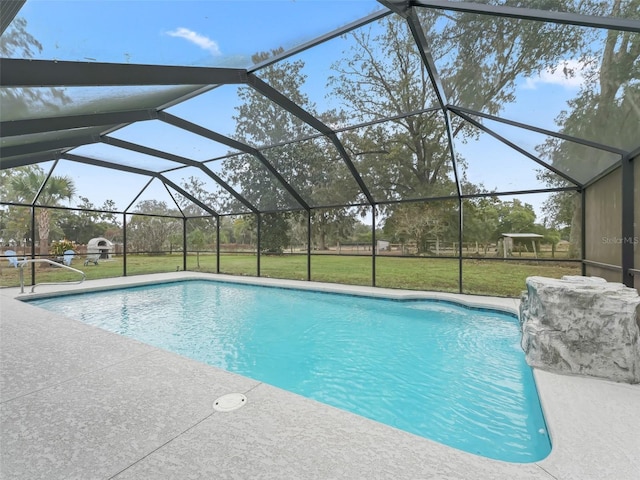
(452, 374)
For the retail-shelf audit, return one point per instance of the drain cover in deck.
(229, 402)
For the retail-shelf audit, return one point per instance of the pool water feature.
(450, 373)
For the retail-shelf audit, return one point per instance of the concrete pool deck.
(77, 402)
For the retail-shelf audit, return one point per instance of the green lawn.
(486, 277)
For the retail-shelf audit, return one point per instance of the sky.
(182, 32)
(227, 33)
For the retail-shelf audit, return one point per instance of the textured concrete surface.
(81, 403)
(594, 424)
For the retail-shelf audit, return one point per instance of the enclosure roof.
(265, 106)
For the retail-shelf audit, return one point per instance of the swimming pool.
(453, 374)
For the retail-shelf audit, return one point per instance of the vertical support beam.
(583, 230)
(184, 244)
(259, 217)
(124, 244)
(460, 238)
(33, 244)
(373, 245)
(628, 230)
(218, 221)
(308, 245)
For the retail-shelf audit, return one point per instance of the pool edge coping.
(564, 446)
(508, 305)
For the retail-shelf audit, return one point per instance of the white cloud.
(200, 40)
(568, 74)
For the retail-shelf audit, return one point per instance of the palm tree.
(25, 187)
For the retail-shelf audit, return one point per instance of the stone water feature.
(582, 325)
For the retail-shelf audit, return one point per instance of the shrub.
(58, 248)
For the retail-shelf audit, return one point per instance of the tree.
(200, 228)
(108, 213)
(150, 233)
(362, 233)
(16, 103)
(481, 217)
(515, 217)
(605, 110)
(423, 223)
(478, 57)
(196, 187)
(16, 225)
(244, 229)
(383, 76)
(332, 226)
(259, 121)
(197, 241)
(274, 232)
(313, 167)
(553, 237)
(26, 183)
(226, 229)
(89, 222)
(329, 225)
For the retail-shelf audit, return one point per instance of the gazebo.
(507, 243)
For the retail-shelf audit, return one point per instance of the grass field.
(485, 277)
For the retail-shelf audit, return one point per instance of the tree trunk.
(44, 220)
(323, 240)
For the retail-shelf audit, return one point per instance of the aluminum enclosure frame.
(31, 73)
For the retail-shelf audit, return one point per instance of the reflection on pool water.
(449, 373)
